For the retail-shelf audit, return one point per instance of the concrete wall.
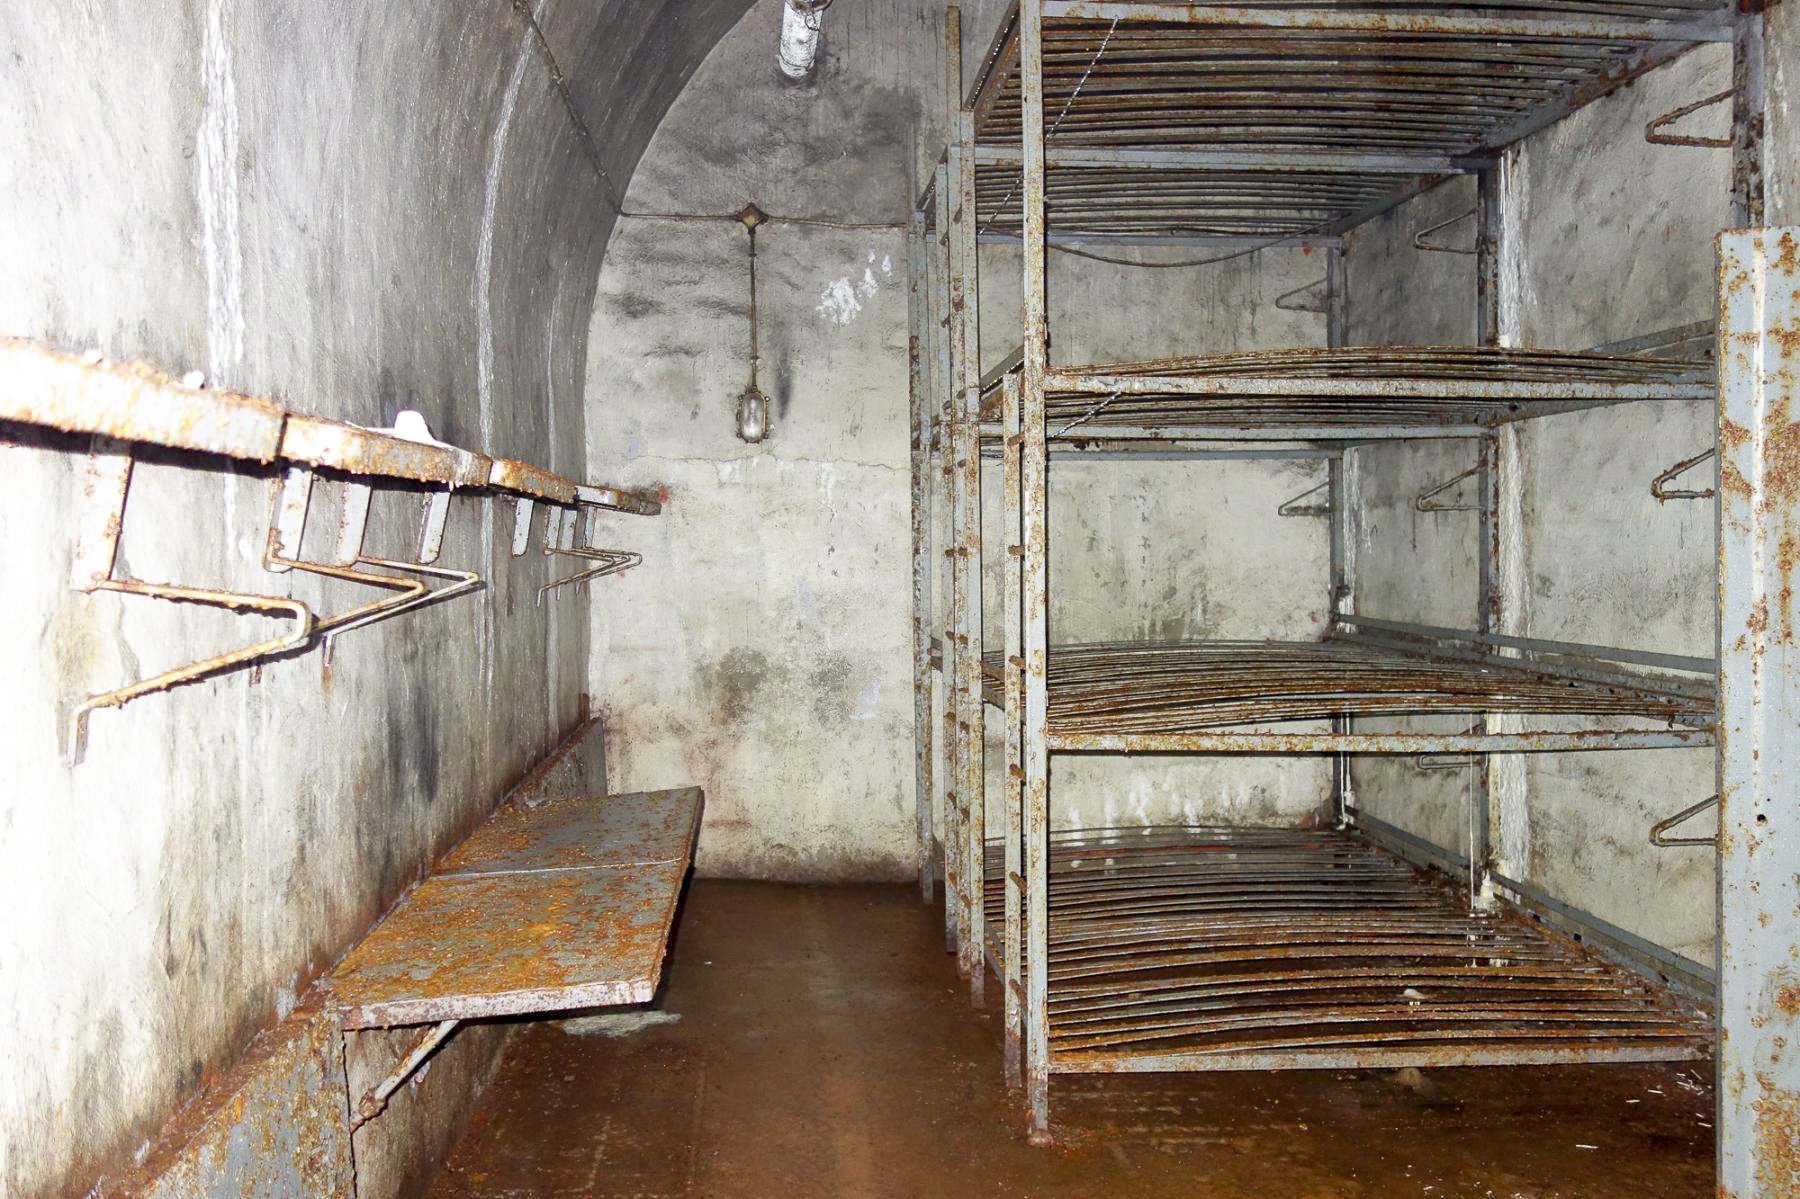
(1615, 239)
(355, 211)
(763, 650)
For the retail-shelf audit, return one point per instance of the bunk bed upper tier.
(1326, 113)
(1360, 388)
(1190, 687)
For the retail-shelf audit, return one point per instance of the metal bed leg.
(1012, 882)
(1759, 691)
(973, 783)
(921, 548)
(1034, 464)
(946, 455)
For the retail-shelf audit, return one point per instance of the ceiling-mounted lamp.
(752, 405)
(800, 21)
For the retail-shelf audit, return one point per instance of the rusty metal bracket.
(1664, 493)
(1659, 831)
(376, 1101)
(108, 483)
(1294, 507)
(1653, 132)
(1419, 242)
(559, 539)
(1423, 501)
(287, 533)
(1317, 297)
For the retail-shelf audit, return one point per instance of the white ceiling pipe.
(800, 21)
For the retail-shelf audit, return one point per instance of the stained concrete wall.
(763, 650)
(353, 210)
(1615, 239)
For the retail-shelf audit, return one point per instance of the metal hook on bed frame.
(1665, 494)
(1419, 242)
(559, 538)
(1422, 501)
(1659, 830)
(1653, 132)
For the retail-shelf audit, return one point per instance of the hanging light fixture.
(752, 405)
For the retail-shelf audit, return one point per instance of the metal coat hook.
(287, 532)
(559, 538)
(1322, 303)
(1423, 501)
(1664, 494)
(1659, 830)
(108, 483)
(1653, 132)
(1294, 507)
(1419, 242)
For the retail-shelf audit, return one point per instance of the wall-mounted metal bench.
(554, 905)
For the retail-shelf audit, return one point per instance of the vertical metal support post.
(1337, 595)
(944, 324)
(1337, 299)
(1490, 188)
(919, 394)
(973, 783)
(1012, 884)
(1748, 101)
(1336, 312)
(1759, 692)
(1034, 462)
(957, 886)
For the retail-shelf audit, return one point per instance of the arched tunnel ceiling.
(626, 61)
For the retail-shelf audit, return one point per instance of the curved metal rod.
(1422, 501)
(1659, 830)
(1664, 494)
(302, 632)
(1294, 507)
(611, 562)
(1324, 305)
(1419, 242)
(1653, 132)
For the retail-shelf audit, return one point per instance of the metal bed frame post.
(1748, 97)
(973, 783)
(919, 395)
(1489, 223)
(1034, 483)
(1012, 664)
(1758, 746)
(946, 509)
(1336, 314)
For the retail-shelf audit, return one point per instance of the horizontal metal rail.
(1608, 653)
(1705, 28)
(1534, 741)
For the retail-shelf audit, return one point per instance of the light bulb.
(753, 415)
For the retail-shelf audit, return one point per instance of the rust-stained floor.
(825, 1047)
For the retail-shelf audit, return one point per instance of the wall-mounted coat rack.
(121, 405)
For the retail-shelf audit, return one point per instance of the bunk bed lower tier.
(1184, 948)
(1186, 696)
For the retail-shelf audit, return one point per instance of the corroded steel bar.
(1749, 97)
(920, 393)
(1530, 741)
(1013, 775)
(973, 783)
(355, 450)
(132, 402)
(1759, 693)
(943, 327)
(1389, 23)
(376, 1101)
(1034, 487)
(956, 813)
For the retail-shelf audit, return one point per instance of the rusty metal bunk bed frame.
(1247, 126)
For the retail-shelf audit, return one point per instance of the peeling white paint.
(838, 303)
(866, 700)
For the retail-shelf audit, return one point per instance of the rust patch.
(1777, 1139)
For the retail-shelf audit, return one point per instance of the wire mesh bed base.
(1360, 389)
(1191, 948)
(1184, 696)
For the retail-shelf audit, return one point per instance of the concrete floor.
(816, 1041)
